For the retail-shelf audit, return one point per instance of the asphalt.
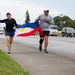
(39, 63)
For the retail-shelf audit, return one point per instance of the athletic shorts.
(45, 33)
(11, 34)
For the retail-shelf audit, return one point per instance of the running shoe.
(9, 52)
(45, 51)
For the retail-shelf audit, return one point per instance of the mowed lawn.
(9, 67)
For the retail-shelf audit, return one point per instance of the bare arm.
(46, 20)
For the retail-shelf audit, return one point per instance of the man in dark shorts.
(45, 21)
(10, 29)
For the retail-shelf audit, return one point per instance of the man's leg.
(40, 43)
(8, 43)
(11, 40)
(46, 44)
(46, 41)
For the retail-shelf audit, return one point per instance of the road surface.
(59, 45)
(25, 52)
(62, 46)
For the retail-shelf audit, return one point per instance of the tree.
(64, 21)
(27, 17)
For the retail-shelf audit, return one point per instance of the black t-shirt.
(9, 24)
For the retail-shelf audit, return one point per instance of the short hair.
(8, 13)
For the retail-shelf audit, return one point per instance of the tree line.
(64, 21)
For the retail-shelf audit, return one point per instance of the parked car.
(53, 30)
(1, 32)
(68, 32)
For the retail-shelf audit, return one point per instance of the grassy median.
(9, 67)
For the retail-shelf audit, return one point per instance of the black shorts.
(45, 33)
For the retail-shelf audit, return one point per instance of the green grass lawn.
(9, 67)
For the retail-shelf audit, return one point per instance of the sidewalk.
(39, 63)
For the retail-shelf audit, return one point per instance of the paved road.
(63, 46)
(25, 51)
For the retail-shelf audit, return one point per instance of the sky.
(35, 7)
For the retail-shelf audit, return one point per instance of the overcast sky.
(35, 8)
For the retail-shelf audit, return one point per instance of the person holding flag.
(10, 29)
(45, 21)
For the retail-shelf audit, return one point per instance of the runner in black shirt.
(10, 29)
